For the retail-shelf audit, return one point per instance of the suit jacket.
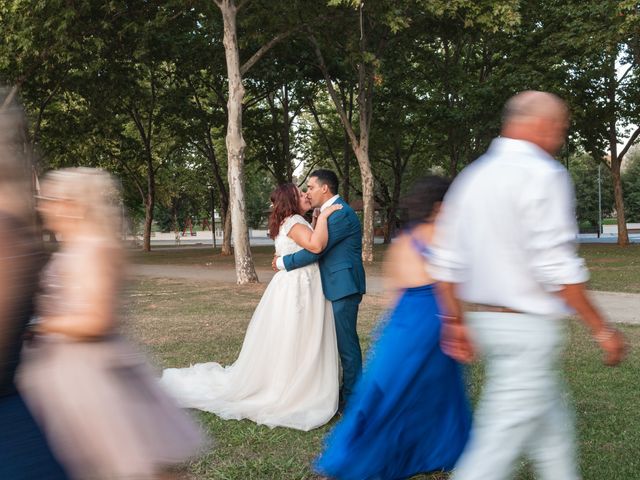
(340, 262)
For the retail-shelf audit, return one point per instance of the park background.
(207, 105)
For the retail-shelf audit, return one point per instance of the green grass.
(182, 322)
(613, 268)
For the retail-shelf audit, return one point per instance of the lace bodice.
(284, 245)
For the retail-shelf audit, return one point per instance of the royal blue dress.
(409, 413)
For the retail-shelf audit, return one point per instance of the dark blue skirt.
(24, 453)
(409, 413)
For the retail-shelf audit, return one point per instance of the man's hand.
(454, 340)
(612, 344)
(273, 263)
(610, 340)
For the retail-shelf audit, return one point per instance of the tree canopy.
(381, 92)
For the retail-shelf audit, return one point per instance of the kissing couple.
(288, 370)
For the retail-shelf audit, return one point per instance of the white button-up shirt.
(507, 231)
(329, 202)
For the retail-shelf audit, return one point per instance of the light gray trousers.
(521, 410)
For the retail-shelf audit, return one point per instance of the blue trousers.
(345, 312)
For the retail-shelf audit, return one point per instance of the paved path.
(619, 307)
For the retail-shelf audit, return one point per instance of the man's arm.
(555, 263)
(608, 338)
(339, 228)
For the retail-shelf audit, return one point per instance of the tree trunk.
(245, 270)
(224, 201)
(226, 242)
(390, 214)
(392, 210)
(149, 203)
(346, 147)
(360, 145)
(148, 220)
(616, 160)
(286, 137)
(346, 176)
(623, 235)
(368, 204)
(362, 154)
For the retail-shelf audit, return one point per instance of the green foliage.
(584, 172)
(631, 187)
(139, 87)
(258, 190)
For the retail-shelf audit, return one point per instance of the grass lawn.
(183, 322)
(613, 268)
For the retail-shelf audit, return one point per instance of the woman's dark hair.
(285, 200)
(326, 177)
(424, 196)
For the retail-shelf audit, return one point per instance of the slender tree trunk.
(226, 242)
(365, 104)
(623, 234)
(245, 270)
(453, 160)
(224, 200)
(360, 145)
(148, 216)
(616, 160)
(387, 225)
(346, 147)
(286, 137)
(393, 207)
(346, 168)
(368, 204)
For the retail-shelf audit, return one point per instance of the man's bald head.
(538, 117)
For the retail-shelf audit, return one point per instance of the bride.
(287, 371)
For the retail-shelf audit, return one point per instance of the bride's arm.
(314, 240)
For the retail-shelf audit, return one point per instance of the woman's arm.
(99, 297)
(314, 240)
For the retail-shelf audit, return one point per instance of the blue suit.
(343, 283)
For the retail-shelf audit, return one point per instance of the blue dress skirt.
(409, 413)
(24, 453)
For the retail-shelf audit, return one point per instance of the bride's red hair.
(286, 202)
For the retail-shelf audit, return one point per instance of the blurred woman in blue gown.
(409, 413)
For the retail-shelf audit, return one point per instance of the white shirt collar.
(502, 144)
(329, 202)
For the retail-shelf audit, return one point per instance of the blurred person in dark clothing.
(24, 453)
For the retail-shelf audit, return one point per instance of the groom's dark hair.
(328, 178)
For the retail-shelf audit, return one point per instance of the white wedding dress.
(287, 371)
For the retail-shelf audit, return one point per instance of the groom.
(341, 270)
